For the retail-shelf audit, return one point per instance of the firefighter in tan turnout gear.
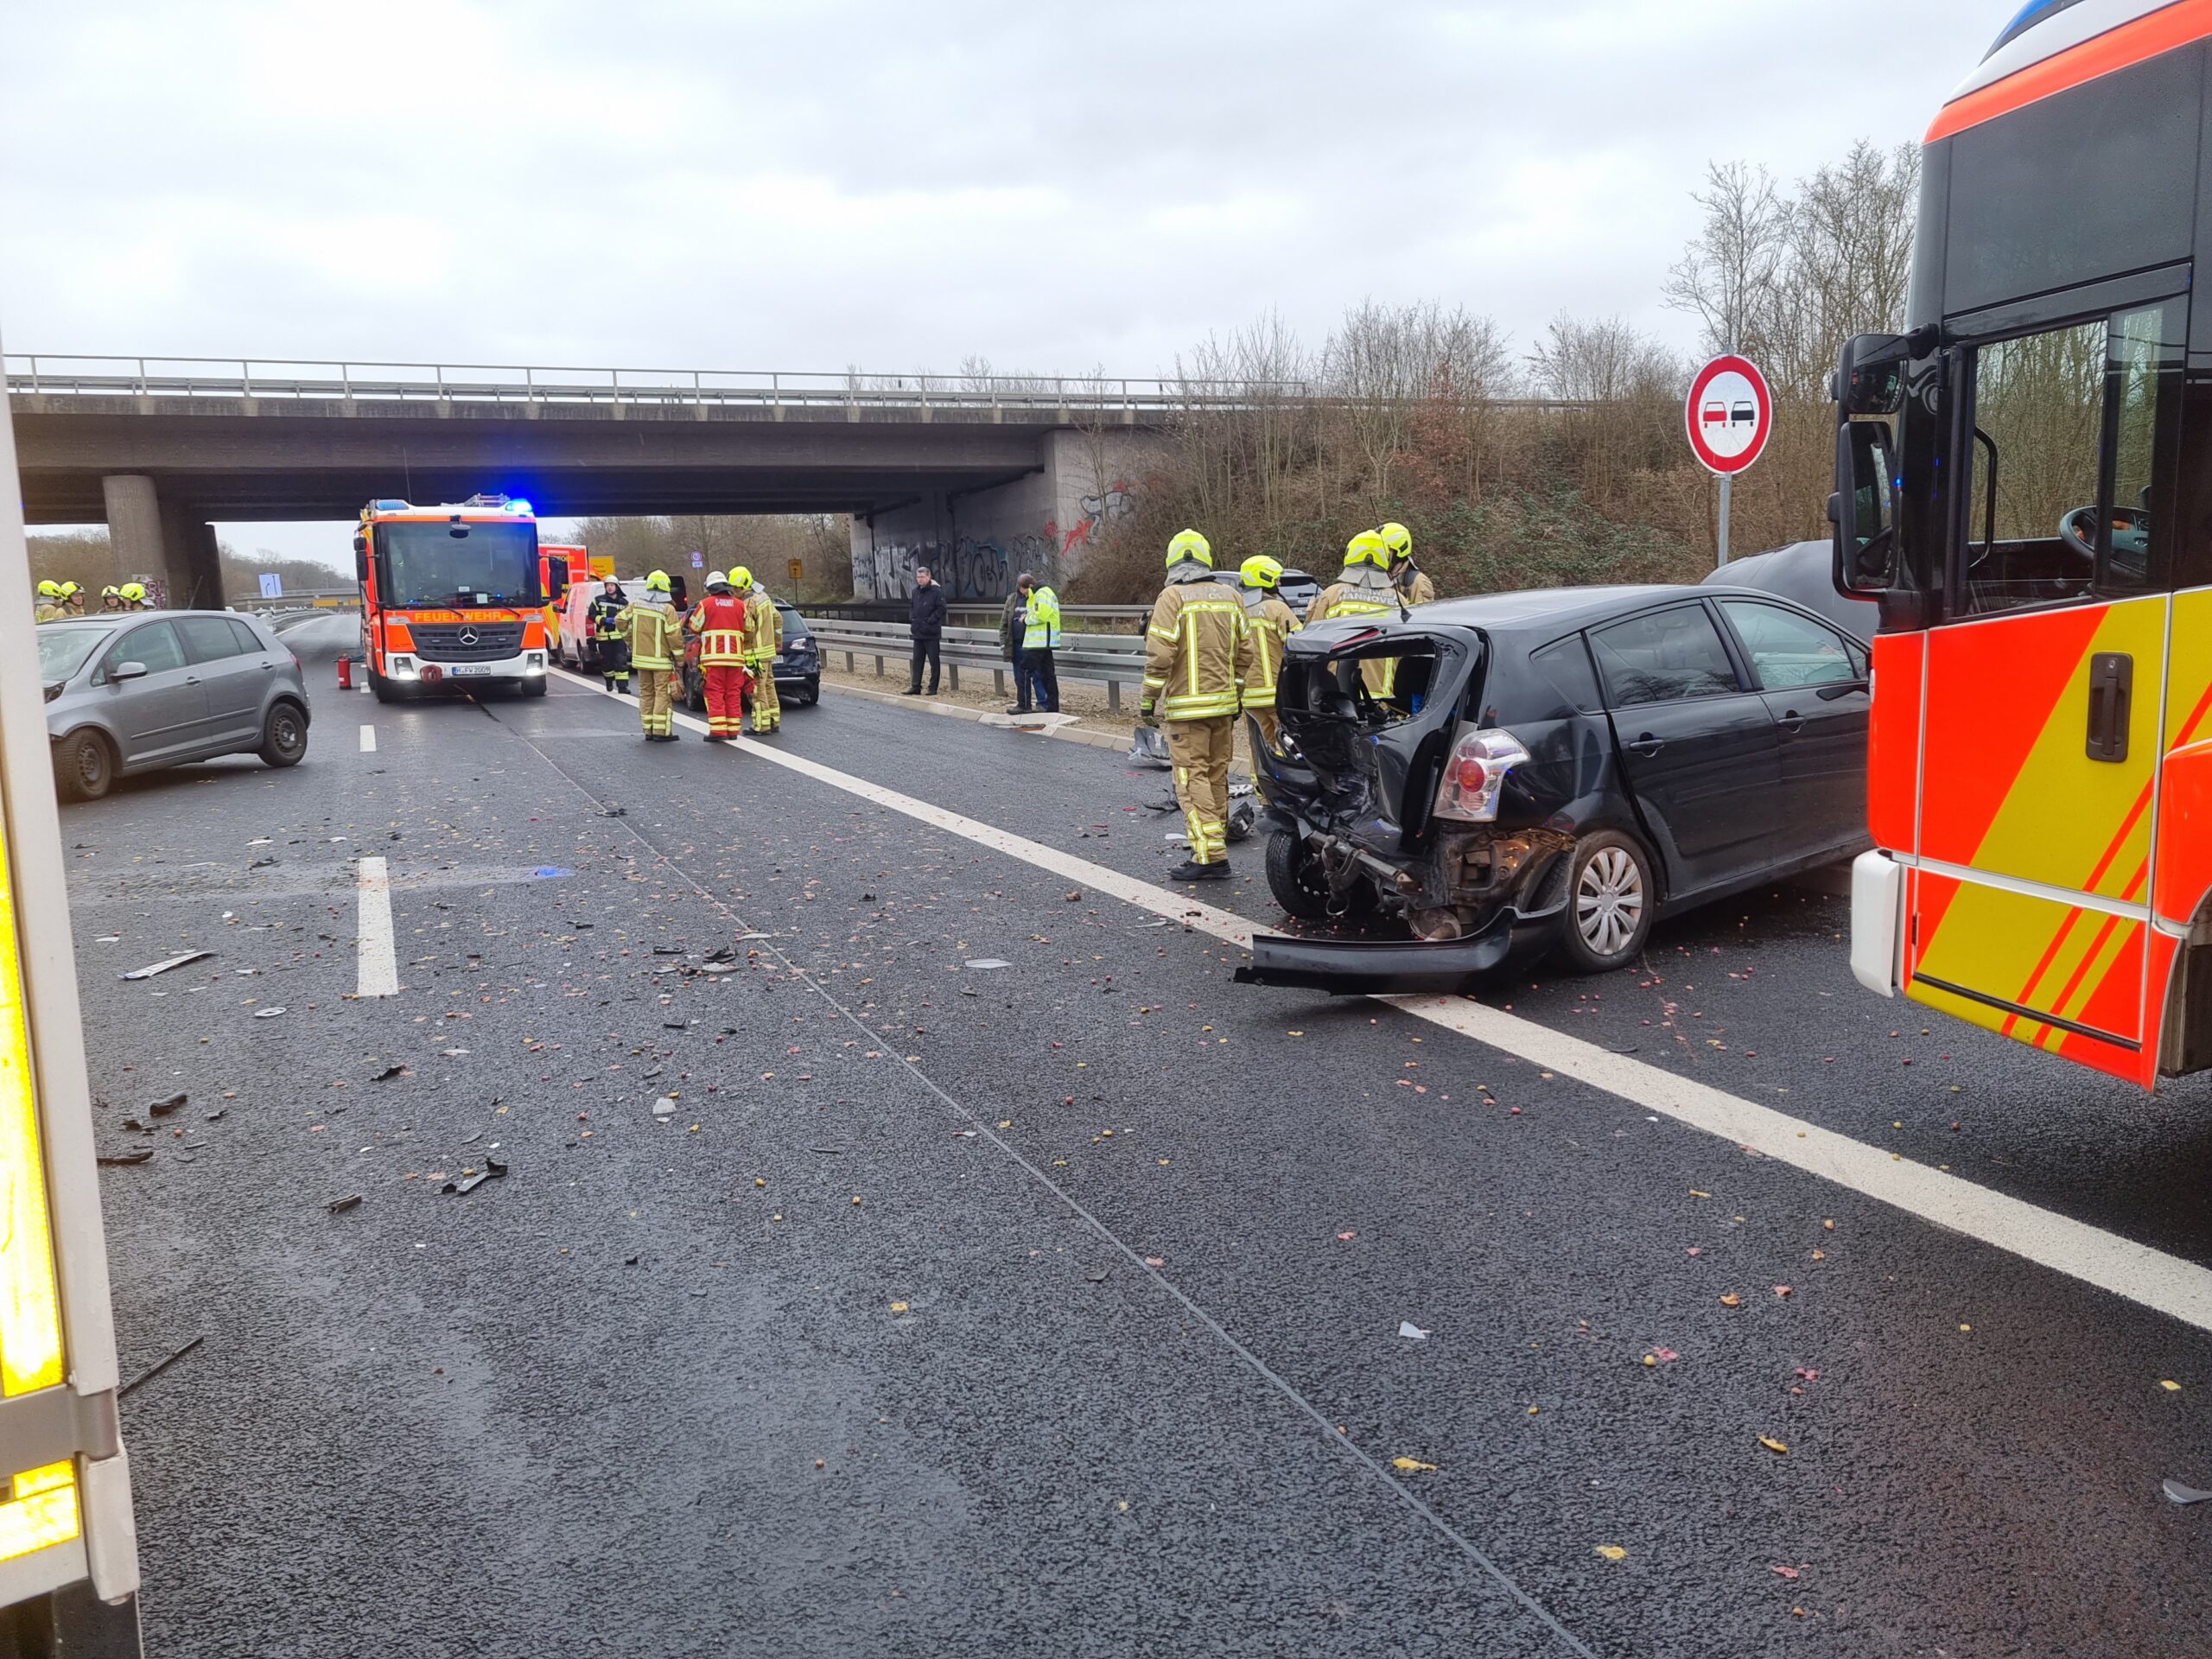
(1412, 582)
(652, 632)
(1196, 656)
(1363, 588)
(1269, 622)
(763, 640)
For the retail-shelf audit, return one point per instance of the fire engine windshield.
(488, 564)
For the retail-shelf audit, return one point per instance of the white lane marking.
(368, 740)
(378, 960)
(2165, 1283)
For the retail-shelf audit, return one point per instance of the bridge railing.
(41, 374)
(1114, 660)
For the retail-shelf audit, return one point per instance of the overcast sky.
(809, 186)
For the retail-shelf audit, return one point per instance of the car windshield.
(489, 564)
(62, 651)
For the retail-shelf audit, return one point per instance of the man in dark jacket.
(925, 618)
(1012, 627)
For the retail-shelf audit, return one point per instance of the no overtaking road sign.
(1730, 414)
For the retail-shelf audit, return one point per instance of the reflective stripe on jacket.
(605, 617)
(763, 628)
(720, 623)
(650, 626)
(1269, 622)
(1196, 650)
(1041, 620)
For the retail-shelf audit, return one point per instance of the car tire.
(283, 734)
(84, 765)
(813, 690)
(695, 692)
(1611, 901)
(384, 690)
(1294, 878)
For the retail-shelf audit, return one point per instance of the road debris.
(135, 1155)
(1406, 1465)
(1778, 1447)
(1611, 1552)
(389, 1073)
(2180, 1494)
(665, 1108)
(163, 1108)
(269, 1013)
(981, 962)
(162, 967)
(469, 1179)
(339, 1207)
(1411, 1331)
(159, 1366)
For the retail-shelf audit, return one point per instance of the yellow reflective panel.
(30, 1318)
(42, 1511)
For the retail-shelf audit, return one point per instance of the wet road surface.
(1054, 1307)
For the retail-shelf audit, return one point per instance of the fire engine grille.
(466, 642)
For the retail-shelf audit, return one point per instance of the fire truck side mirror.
(1863, 510)
(360, 558)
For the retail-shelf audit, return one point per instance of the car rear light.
(1474, 775)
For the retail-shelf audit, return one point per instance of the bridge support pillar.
(191, 564)
(134, 525)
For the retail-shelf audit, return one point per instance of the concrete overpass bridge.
(978, 478)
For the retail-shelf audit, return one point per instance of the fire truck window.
(2038, 413)
(2143, 393)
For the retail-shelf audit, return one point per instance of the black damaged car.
(1523, 773)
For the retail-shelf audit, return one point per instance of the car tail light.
(1474, 774)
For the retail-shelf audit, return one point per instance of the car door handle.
(1793, 722)
(1646, 745)
(191, 679)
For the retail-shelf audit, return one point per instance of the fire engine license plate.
(470, 668)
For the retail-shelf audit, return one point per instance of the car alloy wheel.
(1609, 901)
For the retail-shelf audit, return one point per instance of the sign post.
(1729, 416)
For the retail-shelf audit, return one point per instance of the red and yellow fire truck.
(2024, 488)
(451, 596)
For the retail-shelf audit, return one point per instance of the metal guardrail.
(46, 374)
(1111, 659)
(1116, 617)
(329, 600)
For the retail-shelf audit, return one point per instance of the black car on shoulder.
(1524, 773)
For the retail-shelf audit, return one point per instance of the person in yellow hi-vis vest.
(1270, 622)
(49, 603)
(1363, 588)
(651, 630)
(764, 641)
(1196, 654)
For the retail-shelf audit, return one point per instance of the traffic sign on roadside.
(1730, 414)
(698, 560)
(272, 585)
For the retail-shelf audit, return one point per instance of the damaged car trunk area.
(1517, 774)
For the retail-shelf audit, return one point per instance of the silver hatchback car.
(135, 692)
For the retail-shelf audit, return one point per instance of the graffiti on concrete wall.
(1117, 501)
(973, 567)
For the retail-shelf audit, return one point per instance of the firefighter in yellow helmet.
(49, 603)
(1269, 622)
(111, 598)
(651, 631)
(1197, 654)
(1363, 588)
(1412, 582)
(133, 594)
(764, 642)
(73, 599)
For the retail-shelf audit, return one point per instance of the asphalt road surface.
(999, 1278)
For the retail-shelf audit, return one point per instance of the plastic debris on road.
(268, 1014)
(339, 1207)
(162, 967)
(665, 1108)
(469, 1179)
(2180, 1494)
(1411, 1467)
(981, 962)
(163, 1108)
(1413, 1332)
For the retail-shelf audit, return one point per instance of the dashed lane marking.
(378, 960)
(368, 740)
(2165, 1283)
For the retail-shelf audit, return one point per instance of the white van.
(576, 646)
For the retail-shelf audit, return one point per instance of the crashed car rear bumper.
(1402, 967)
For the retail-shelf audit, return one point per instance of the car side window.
(1565, 663)
(250, 643)
(207, 638)
(1789, 650)
(1665, 657)
(155, 645)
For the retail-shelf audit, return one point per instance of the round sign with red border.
(1730, 414)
